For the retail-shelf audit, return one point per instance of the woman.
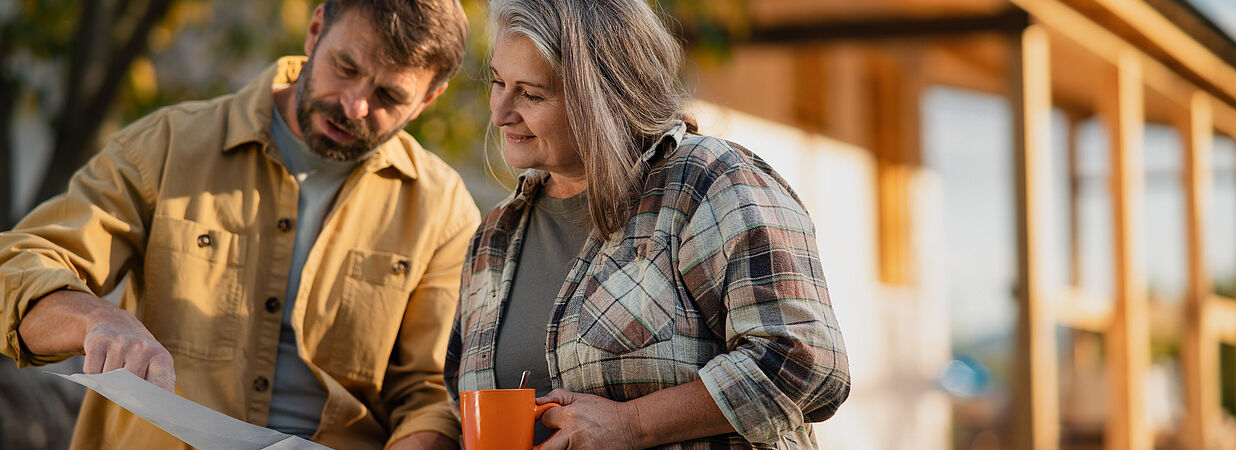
(665, 285)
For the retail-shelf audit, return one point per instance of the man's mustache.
(334, 113)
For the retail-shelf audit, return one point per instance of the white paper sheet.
(195, 424)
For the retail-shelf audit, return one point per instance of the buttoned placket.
(500, 291)
(270, 316)
(330, 411)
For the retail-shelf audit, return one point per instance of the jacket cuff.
(21, 290)
(438, 417)
(757, 409)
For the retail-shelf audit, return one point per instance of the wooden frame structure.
(1126, 62)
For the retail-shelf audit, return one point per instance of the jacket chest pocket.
(374, 289)
(192, 303)
(629, 303)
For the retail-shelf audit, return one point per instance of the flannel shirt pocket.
(629, 303)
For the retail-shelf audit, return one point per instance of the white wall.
(897, 338)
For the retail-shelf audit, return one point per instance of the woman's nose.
(501, 113)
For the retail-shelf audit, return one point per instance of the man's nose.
(355, 103)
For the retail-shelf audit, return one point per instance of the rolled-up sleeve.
(82, 240)
(749, 260)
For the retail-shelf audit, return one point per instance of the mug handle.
(540, 409)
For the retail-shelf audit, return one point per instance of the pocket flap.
(193, 238)
(382, 268)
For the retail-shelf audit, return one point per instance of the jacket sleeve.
(414, 390)
(748, 258)
(83, 240)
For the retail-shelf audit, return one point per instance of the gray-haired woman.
(664, 285)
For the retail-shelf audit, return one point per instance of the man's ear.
(429, 98)
(314, 31)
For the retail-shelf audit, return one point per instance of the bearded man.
(293, 256)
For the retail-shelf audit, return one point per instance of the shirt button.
(261, 384)
(272, 305)
(400, 267)
(285, 225)
(203, 240)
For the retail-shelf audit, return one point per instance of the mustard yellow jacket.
(194, 203)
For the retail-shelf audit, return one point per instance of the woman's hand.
(586, 421)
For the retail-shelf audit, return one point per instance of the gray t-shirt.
(297, 397)
(552, 241)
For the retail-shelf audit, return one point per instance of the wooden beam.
(1199, 349)
(1078, 309)
(1036, 407)
(1128, 341)
(1162, 38)
(1107, 45)
(1224, 117)
(1222, 317)
(1010, 21)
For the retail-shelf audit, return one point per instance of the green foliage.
(205, 48)
(43, 27)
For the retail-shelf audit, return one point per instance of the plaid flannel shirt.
(715, 277)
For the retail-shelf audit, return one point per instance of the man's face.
(346, 102)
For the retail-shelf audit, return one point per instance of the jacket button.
(285, 225)
(261, 384)
(203, 240)
(272, 305)
(400, 267)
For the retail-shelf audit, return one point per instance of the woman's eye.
(531, 97)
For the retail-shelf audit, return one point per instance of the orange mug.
(499, 419)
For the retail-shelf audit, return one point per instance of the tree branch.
(84, 39)
(75, 139)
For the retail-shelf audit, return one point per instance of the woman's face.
(527, 104)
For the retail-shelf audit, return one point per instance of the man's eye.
(386, 97)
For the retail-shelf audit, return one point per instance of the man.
(293, 256)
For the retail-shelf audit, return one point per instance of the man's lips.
(518, 138)
(334, 131)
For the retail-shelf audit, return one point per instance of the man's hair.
(619, 68)
(414, 33)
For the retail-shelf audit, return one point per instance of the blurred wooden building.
(855, 72)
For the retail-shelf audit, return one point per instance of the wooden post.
(1036, 404)
(1199, 348)
(894, 130)
(1075, 181)
(1128, 342)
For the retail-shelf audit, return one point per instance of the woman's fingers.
(560, 396)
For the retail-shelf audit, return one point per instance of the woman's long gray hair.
(619, 68)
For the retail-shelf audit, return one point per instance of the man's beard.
(365, 140)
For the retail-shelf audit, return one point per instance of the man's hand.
(70, 322)
(587, 421)
(425, 440)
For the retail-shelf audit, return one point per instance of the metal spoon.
(523, 379)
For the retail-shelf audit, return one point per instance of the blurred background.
(1024, 207)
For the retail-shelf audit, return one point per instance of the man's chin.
(329, 149)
